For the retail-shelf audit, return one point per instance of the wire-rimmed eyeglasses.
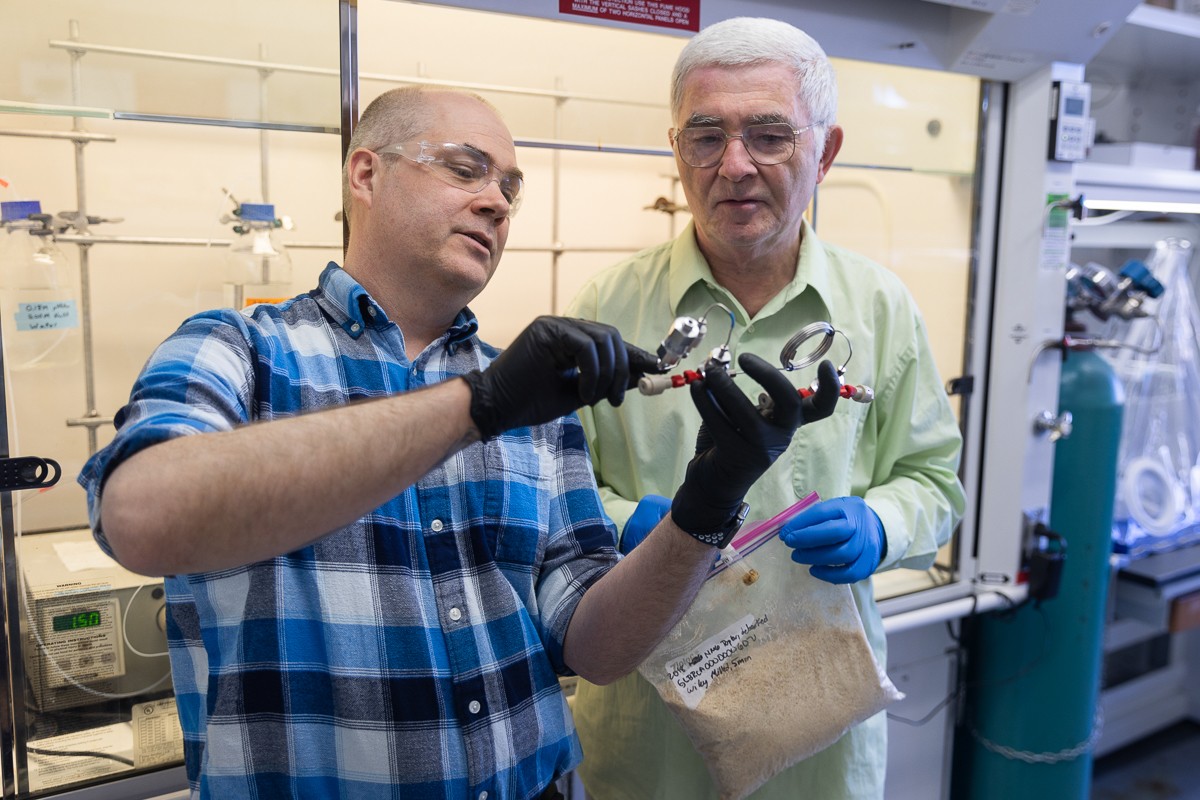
(768, 143)
(462, 167)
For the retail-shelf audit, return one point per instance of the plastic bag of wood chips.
(769, 665)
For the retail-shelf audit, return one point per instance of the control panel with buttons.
(1071, 125)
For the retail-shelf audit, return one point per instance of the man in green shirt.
(754, 103)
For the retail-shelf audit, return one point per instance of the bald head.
(397, 115)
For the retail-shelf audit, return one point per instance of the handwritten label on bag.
(695, 672)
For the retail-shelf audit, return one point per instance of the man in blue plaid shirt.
(382, 537)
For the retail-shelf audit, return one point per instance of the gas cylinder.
(1034, 672)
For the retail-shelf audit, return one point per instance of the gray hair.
(397, 115)
(744, 41)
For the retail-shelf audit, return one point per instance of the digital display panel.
(76, 620)
(1073, 106)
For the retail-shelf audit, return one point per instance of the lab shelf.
(1155, 40)
(1125, 632)
(1141, 707)
(1144, 591)
(1146, 588)
(1138, 184)
(1129, 235)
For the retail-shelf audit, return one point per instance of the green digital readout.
(76, 620)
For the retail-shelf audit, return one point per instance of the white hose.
(1134, 479)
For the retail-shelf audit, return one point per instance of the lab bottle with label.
(258, 268)
(39, 291)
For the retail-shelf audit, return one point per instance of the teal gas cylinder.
(1034, 673)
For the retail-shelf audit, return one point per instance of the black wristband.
(721, 537)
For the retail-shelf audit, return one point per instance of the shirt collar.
(689, 268)
(353, 308)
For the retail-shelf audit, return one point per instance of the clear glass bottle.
(258, 267)
(39, 291)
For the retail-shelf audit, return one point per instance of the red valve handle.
(657, 384)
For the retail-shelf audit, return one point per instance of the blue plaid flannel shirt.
(412, 654)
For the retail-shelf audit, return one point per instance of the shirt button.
(474, 706)
(355, 328)
(483, 796)
(436, 525)
(371, 310)
(750, 329)
(455, 614)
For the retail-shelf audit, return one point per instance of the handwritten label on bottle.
(47, 315)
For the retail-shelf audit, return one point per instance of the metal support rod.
(348, 80)
(91, 239)
(81, 227)
(75, 46)
(85, 299)
(74, 136)
(223, 122)
(76, 73)
(84, 47)
(264, 159)
(555, 199)
(54, 110)
(502, 89)
(592, 147)
(89, 422)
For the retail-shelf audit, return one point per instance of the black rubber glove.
(555, 366)
(737, 443)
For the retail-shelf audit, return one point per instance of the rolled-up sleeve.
(581, 546)
(197, 381)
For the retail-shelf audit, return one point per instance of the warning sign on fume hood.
(680, 14)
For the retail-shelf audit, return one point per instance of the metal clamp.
(28, 472)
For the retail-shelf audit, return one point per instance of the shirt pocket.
(825, 451)
(516, 503)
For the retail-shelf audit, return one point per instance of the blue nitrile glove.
(842, 538)
(649, 512)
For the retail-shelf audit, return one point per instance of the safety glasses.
(462, 167)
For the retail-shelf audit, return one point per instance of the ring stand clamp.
(28, 472)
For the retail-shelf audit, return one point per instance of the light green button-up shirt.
(900, 453)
